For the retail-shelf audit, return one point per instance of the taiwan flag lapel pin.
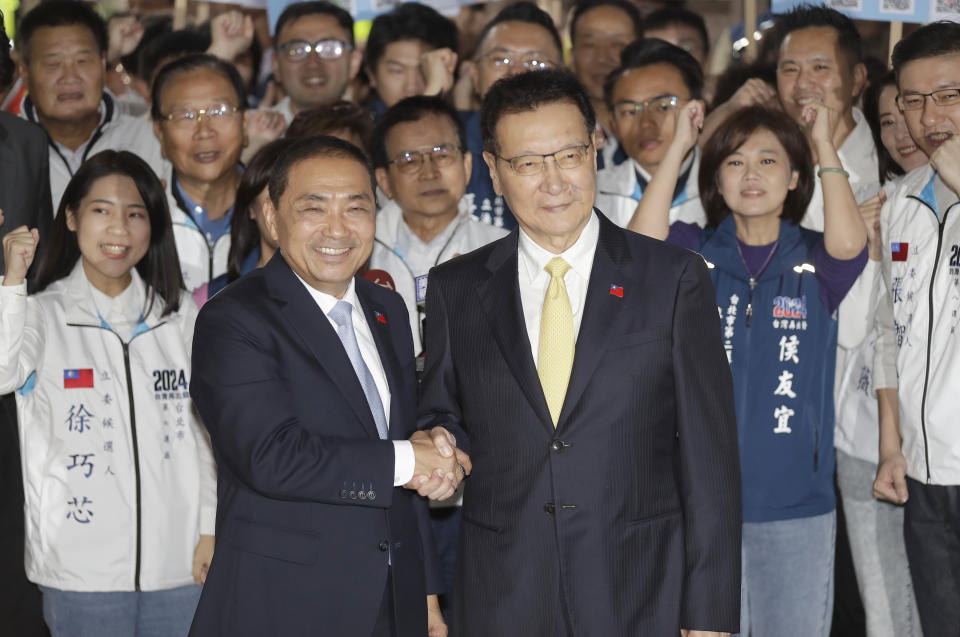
(616, 290)
(380, 317)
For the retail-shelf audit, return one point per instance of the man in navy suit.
(304, 376)
(581, 367)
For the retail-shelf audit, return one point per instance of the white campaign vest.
(119, 479)
(615, 194)
(118, 131)
(920, 350)
(855, 403)
(199, 263)
(469, 234)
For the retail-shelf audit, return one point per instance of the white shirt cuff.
(404, 462)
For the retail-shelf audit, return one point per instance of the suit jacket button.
(384, 546)
(371, 495)
(353, 495)
(343, 494)
(557, 445)
(549, 508)
(362, 495)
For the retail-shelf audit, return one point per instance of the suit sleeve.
(439, 403)
(709, 462)
(42, 211)
(244, 402)
(431, 562)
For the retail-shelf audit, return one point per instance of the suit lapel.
(373, 312)
(604, 313)
(500, 299)
(313, 327)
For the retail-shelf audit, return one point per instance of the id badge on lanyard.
(420, 283)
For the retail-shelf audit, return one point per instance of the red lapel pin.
(380, 317)
(616, 290)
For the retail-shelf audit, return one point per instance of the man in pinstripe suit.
(580, 365)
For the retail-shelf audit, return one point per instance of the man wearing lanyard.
(63, 49)
(423, 165)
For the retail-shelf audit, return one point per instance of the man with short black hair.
(304, 377)
(63, 64)
(521, 38)
(645, 93)
(422, 165)
(599, 31)
(683, 28)
(820, 59)
(918, 356)
(314, 55)
(410, 51)
(582, 365)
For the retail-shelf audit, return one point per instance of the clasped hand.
(440, 466)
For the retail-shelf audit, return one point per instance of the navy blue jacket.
(307, 514)
(783, 368)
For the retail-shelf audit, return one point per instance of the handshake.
(440, 466)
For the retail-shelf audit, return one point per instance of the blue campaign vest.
(783, 369)
(490, 207)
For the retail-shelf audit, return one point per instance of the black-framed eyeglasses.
(529, 61)
(526, 165)
(215, 114)
(326, 49)
(915, 101)
(411, 161)
(657, 107)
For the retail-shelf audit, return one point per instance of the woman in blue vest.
(778, 286)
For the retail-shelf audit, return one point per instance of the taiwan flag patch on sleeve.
(899, 250)
(77, 378)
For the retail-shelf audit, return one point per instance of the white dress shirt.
(534, 280)
(404, 460)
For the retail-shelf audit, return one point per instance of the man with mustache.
(918, 358)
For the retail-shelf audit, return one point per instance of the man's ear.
(859, 80)
(159, 134)
(356, 61)
(383, 181)
(467, 163)
(270, 220)
(494, 175)
(794, 180)
(473, 71)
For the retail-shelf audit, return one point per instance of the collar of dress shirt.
(684, 166)
(327, 301)
(533, 258)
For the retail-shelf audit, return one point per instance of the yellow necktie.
(557, 341)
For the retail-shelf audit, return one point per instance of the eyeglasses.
(656, 108)
(215, 115)
(411, 161)
(915, 101)
(526, 165)
(530, 61)
(327, 49)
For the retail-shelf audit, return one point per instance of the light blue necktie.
(342, 316)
